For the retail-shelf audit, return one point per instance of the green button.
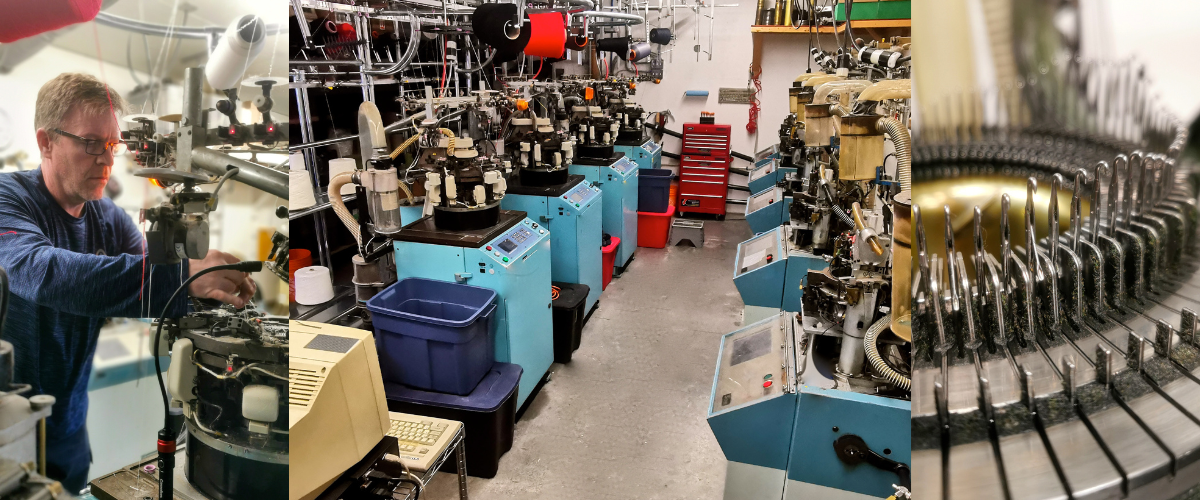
(767, 377)
(576, 205)
(506, 259)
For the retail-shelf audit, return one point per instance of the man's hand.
(230, 287)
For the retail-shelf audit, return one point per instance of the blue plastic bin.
(434, 335)
(654, 190)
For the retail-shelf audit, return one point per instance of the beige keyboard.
(422, 439)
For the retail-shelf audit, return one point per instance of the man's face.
(82, 176)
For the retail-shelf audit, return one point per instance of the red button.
(489, 247)
(766, 384)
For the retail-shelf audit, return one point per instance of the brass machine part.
(860, 225)
(902, 266)
(797, 95)
(779, 12)
(862, 148)
(787, 13)
(758, 11)
(804, 97)
(964, 193)
(819, 125)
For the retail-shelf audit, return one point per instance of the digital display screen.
(750, 347)
(576, 197)
(507, 245)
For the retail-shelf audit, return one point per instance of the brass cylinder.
(787, 13)
(819, 125)
(804, 97)
(902, 267)
(758, 13)
(778, 12)
(862, 148)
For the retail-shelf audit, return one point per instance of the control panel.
(651, 147)
(581, 195)
(511, 246)
(764, 198)
(763, 171)
(755, 363)
(759, 251)
(624, 166)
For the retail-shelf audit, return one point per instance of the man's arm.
(231, 287)
(82, 284)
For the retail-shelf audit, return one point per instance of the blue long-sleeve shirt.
(66, 275)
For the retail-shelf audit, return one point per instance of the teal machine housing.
(617, 178)
(513, 258)
(768, 209)
(572, 212)
(770, 273)
(767, 174)
(647, 154)
(776, 418)
(767, 154)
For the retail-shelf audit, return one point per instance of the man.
(74, 259)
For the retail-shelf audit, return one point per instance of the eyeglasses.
(95, 147)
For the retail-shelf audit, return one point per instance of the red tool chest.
(704, 169)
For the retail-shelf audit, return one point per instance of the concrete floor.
(626, 418)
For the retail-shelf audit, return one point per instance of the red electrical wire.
(752, 124)
(540, 63)
(442, 85)
(606, 68)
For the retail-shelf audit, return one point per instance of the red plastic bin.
(610, 258)
(654, 228)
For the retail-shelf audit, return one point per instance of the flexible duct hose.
(414, 40)
(876, 360)
(903, 142)
(409, 142)
(481, 65)
(339, 208)
(449, 145)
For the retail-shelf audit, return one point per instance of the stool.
(691, 231)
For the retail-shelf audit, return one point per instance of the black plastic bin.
(568, 319)
(654, 190)
(488, 415)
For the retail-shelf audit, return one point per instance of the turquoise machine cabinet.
(647, 153)
(770, 272)
(781, 423)
(769, 153)
(767, 174)
(513, 258)
(572, 213)
(617, 178)
(768, 209)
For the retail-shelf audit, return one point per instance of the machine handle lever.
(852, 450)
